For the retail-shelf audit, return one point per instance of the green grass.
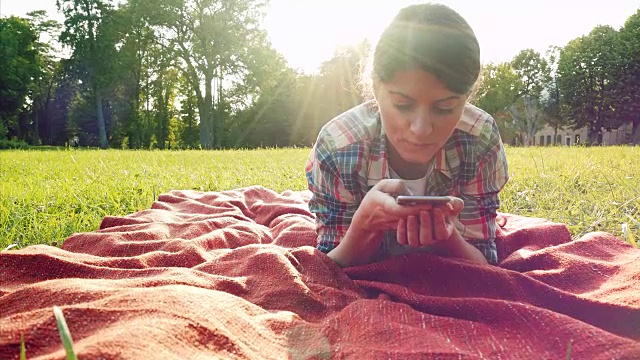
(47, 195)
(588, 189)
(65, 335)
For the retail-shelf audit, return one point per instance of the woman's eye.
(441, 111)
(403, 107)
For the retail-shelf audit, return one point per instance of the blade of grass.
(65, 335)
(633, 220)
(10, 247)
(23, 348)
(628, 235)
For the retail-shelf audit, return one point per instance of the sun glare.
(308, 32)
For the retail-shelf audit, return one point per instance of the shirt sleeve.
(480, 194)
(331, 202)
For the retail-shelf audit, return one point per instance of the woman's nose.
(421, 126)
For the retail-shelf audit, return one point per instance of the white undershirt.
(417, 186)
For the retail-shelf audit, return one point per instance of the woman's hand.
(437, 229)
(428, 228)
(377, 212)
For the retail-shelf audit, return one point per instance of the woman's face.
(418, 113)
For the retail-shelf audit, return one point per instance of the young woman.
(419, 136)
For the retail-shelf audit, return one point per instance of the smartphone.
(415, 200)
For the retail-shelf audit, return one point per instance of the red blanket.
(235, 275)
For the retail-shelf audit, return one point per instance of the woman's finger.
(457, 204)
(425, 228)
(401, 232)
(440, 225)
(413, 235)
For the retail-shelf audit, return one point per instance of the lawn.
(47, 195)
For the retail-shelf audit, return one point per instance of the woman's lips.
(418, 145)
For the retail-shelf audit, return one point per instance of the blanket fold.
(235, 274)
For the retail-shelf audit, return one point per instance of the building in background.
(570, 137)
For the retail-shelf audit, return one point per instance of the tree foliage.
(19, 64)
(499, 88)
(203, 74)
(585, 78)
(626, 87)
(89, 30)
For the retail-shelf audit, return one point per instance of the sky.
(307, 32)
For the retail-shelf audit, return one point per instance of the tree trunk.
(146, 140)
(159, 104)
(591, 136)
(36, 125)
(44, 117)
(134, 131)
(217, 132)
(635, 133)
(206, 115)
(102, 132)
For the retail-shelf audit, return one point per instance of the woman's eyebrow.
(400, 93)
(395, 92)
(452, 97)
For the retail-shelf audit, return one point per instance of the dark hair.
(433, 38)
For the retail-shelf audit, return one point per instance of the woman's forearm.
(458, 247)
(359, 246)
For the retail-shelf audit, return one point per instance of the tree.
(551, 103)
(211, 38)
(534, 74)
(337, 88)
(164, 88)
(138, 54)
(288, 107)
(90, 34)
(267, 94)
(527, 118)
(626, 86)
(310, 114)
(512, 93)
(55, 130)
(42, 89)
(340, 80)
(188, 133)
(18, 61)
(499, 88)
(533, 70)
(585, 80)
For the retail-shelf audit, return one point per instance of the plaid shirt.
(350, 157)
